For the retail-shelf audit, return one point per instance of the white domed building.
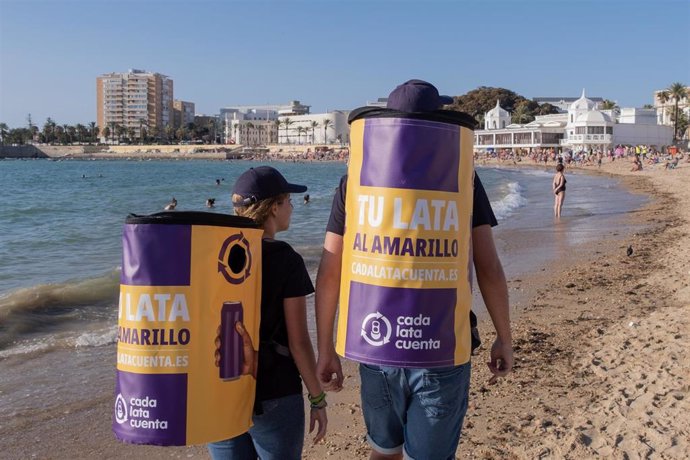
(583, 127)
(497, 118)
(546, 131)
(588, 128)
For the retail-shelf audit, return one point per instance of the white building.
(133, 101)
(257, 124)
(497, 118)
(250, 127)
(315, 128)
(563, 103)
(582, 127)
(665, 107)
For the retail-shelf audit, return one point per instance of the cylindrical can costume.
(405, 291)
(187, 277)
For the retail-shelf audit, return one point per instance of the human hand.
(318, 416)
(251, 356)
(327, 365)
(501, 360)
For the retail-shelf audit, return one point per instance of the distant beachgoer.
(559, 189)
(637, 164)
(171, 206)
(217, 181)
(306, 199)
(211, 203)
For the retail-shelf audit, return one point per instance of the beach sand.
(602, 368)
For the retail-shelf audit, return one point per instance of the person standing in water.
(558, 189)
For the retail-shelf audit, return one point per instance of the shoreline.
(598, 364)
(220, 152)
(600, 349)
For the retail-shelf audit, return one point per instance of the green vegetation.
(479, 101)
(676, 92)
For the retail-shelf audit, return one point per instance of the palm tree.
(275, 130)
(212, 129)
(249, 126)
(181, 133)
(112, 131)
(79, 133)
(677, 92)
(59, 134)
(313, 126)
(143, 123)
(93, 131)
(520, 114)
(286, 124)
(71, 133)
(49, 130)
(327, 123)
(4, 130)
(155, 133)
(120, 131)
(607, 104)
(235, 127)
(663, 97)
(106, 133)
(169, 132)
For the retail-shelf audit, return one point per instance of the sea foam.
(510, 202)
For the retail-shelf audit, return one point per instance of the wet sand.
(600, 348)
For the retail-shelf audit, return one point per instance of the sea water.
(61, 225)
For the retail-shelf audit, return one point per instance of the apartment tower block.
(134, 101)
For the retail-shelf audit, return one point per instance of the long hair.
(259, 211)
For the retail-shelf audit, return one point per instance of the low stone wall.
(21, 151)
(49, 151)
(150, 151)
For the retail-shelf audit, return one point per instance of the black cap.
(263, 182)
(416, 96)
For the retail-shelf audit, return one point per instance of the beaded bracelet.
(317, 399)
(320, 405)
(318, 402)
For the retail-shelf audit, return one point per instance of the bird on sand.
(630, 250)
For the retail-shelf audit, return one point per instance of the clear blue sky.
(335, 54)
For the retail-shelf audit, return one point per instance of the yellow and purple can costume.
(406, 282)
(181, 273)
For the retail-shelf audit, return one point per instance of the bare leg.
(555, 205)
(559, 203)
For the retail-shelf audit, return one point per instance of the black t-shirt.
(284, 275)
(482, 213)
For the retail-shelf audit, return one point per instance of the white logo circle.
(372, 326)
(120, 409)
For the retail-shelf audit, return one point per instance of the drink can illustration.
(231, 357)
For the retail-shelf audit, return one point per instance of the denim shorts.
(277, 434)
(415, 411)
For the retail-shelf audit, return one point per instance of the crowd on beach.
(637, 154)
(318, 154)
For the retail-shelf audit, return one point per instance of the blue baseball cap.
(262, 182)
(416, 96)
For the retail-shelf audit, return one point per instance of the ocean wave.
(95, 338)
(49, 309)
(512, 200)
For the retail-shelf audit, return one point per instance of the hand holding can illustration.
(235, 354)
